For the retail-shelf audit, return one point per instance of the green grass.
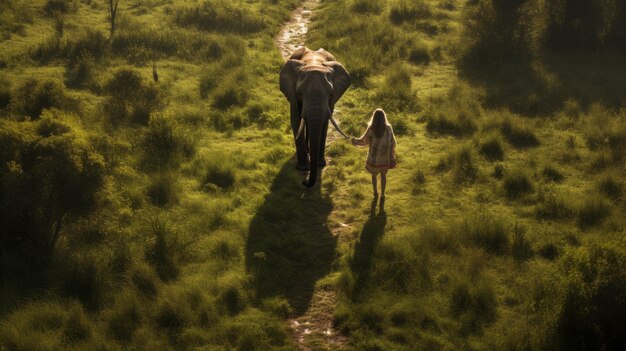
(502, 227)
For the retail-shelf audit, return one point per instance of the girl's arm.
(362, 141)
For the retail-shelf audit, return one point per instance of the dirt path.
(312, 330)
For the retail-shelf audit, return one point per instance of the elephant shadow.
(289, 245)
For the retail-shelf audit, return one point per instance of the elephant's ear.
(288, 79)
(341, 79)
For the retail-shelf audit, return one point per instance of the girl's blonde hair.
(378, 123)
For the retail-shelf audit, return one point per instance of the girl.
(381, 155)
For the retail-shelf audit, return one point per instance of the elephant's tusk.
(332, 120)
(300, 128)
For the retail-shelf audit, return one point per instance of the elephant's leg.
(301, 147)
(322, 160)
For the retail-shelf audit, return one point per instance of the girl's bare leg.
(374, 184)
(383, 183)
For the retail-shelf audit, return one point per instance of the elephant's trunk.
(332, 120)
(315, 133)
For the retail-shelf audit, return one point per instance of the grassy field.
(145, 213)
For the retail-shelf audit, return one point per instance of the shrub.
(408, 11)
(80, 73)
(498, 171)
(145, 280)
(591, 300)
(131, 99)
(49, 176)
(549, 251)
(77, 327)
(35, 95)
(464, 166)
(485, 232)
(418, 180)
(419, 54)
(85, 283)
(516, 184)
(592, 212)
(473, 305)
(5, 91)
(56, 6)
(163, 190)
(366, 6)
(552, 206)
(611, 187)
(170, 317)
(219, 16)
(92, 43)
(517, 135)
(552, 174)
(219, 175)
(520, 247)
(491, 148)
(458, 123)
(165, 251)
(493, 32)
(164, 144)
(124, 318)
(396, 91)
(607, 131)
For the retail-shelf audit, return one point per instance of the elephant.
(313, 82)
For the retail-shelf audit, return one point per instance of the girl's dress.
(379, 156)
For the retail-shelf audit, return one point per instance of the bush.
(85, 283)
(552, 206)
(92, 43)
(493, 32)
(549, 251)
(130, 99)
(366, 6)
(163, 190)
(396, 91)
(486, 232)
(592, 212)
(81, 73)
(56, 6)
(219, 16)
(464, 166)
(517, 135)
(473, 305)
(611, 187)
(419, 54)
(457, 123)
(48, 174)
(408, 11)
(491, 148)
(516, 184)
(5, 91)
(606, 131)
(520, 247)
(591, 301)
(219, 175)
(552, 174)
(35, 95)
(166, 250)
(164, 144)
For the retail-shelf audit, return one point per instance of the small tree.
(48, 174)
(112, 10)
